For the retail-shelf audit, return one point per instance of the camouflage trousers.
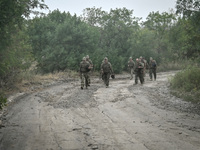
(131, 73)
(84, 79)
(106, 77)
(139, 75)
(152, 71)
(89, 74)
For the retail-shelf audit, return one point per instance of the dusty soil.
(121, 117)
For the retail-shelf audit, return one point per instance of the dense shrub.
(186, 84)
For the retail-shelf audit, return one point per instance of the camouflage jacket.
(131, 64)
(106, 67)
(152, 64)
(89, 60)
(84, 65)
(139, 66)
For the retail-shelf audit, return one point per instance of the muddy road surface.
(121, 117)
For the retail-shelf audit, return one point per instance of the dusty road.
(121, 117)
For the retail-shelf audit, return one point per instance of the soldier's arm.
(111, 68)
(102, 68)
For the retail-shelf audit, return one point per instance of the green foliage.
(188, 27)
(186, 83)
(187, 7)
(14, 49)
(3, 100)
(60, 44)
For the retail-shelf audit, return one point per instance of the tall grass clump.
(172, 65)
(186, 84)
(3, 100)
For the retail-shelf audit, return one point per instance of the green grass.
(3, 100)
(186, 84)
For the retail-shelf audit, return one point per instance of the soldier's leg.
(143, 74)
(86, 79)
(154, 72)
(82, 80)
(107, 79)
(141, 77)
(131, 71)
(88, 75)
(104, 78)
(136, 78)
(150, 73)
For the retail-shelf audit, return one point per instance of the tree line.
(58, 41)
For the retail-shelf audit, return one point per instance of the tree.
(187, 7)
(12, 16)
(60, 41)
(160, 24)
(190, 11)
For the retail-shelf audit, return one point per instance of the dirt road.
(121, 117)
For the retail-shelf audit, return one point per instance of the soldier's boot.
(81, 88)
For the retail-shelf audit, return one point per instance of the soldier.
(131, 65)
(91, 67)
(152, 68)
(106, 69)
(145, 65)
(84, 68)
(139, 71)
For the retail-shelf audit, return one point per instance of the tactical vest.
(131, 64)
(84, 66)
(152, 64)
(106, 67)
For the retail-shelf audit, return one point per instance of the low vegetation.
(186, 84)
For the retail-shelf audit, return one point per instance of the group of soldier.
(138, 68)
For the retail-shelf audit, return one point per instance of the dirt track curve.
(121, 117)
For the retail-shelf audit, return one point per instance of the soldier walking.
(131, 65)
(152, 68)
(106, 70)
(91, 67)
(84, 68)
(139, 71)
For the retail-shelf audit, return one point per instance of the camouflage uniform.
(91, 67)
(131, 65)
(145, 66)
(152, 69)
(106, 69)
(84, 65)
(139, 68)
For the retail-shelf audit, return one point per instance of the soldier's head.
(84, 59)
(137, 60)
(87, 57)
(130, 58)
(106, 59)
(140, 57)
(151, 58)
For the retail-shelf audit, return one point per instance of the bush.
(3, 100)
(186, 84)
(172, 65)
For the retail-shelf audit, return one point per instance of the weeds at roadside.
(3, 101)
(186, 84)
